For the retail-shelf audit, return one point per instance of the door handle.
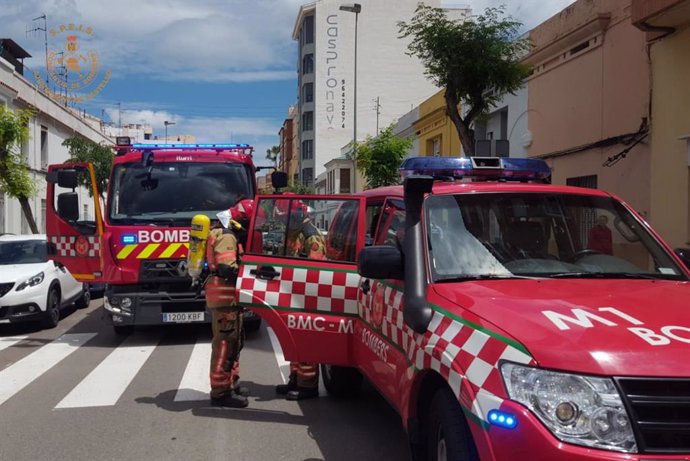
(265, 273)
(366, 286)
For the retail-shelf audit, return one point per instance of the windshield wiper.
(610, 275)
(466, 278)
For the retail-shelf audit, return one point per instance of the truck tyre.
(341, 382)
(123, 330)
(447, 436)
(52, 313)
(83, 301)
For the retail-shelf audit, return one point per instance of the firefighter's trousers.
(225, 349)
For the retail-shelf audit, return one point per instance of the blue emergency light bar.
(478, 168)
(189, 146)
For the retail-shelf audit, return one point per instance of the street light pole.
(355, 8)
(166, 123)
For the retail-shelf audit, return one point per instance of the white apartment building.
(326, 77)
(52, 124)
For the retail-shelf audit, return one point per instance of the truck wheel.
(52, 313)
(341, 382)
(83, 301)
(123, 330)
(447, 435)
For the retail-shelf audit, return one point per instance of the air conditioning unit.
(492, 148)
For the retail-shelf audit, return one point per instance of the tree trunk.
(465, 133)
(28, 214)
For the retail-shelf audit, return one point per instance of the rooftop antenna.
(45, 36)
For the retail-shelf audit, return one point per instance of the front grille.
(660, 413)
(162, 270)
(5, 288)
(3, 312)
(184, 307)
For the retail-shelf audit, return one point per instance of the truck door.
(74, 224)
(303, 279)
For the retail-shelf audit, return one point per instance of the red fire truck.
(138, 246)
(505, 318)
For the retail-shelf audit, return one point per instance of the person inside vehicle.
(303, 240)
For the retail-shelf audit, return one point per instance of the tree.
(15, 179)
(476, 61)
(100, 155)
(272, 154)
(299, 188)
(379, 157)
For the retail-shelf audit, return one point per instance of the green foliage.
(299, 188)
(379, 158)
(476, 61)
(100, 155)
(273, 153)
(15, 179)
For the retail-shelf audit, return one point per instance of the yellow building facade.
(435, 131)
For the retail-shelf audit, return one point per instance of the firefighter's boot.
(230, 401)
(303, 393)
(284, 389)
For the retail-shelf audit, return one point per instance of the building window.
(309, 29)
(583, 181)
(308, 121)
(433, 147)
(308, 92)
(308, 176)
(86, 213)
(345, 181)
(308, 64)
(308, 149)
(44, 147)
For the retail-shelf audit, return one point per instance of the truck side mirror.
(279, 179)
(381, 262)
(684, 255)
(68, 206)
(67, 179)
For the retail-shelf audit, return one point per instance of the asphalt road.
(80, 392)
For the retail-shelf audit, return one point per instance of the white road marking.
(10, 341)
(108, 381)
(18, 375)
(195, 383)
(283, 366)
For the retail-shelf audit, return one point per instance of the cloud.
(211, 40)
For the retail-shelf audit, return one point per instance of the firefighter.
(222, 252)
(303, 240)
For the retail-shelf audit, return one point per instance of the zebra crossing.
(105, 384)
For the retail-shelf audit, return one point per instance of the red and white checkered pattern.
(301, 288)
(463, 355)
(66, 245)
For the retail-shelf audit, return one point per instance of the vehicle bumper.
(531, 440)
(27, 312)
(124, 305)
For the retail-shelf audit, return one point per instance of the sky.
(222, 70)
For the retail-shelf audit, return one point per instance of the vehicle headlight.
(31, 282)
(583, 410)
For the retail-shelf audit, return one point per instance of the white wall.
(17, 92)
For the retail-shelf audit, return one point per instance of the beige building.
(667, 27)
(589, 99)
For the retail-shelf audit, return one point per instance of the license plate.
(183, 317)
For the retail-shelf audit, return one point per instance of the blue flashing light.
(190, 146)
(502, 419)
(478, 168)
(128, 239)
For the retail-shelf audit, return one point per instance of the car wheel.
(83, 301)
(448, 437)
(123, 330)
(341, 382)
(252, 324)
(52, 313)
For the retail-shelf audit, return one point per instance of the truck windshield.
(540, 235)
(172, 193)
